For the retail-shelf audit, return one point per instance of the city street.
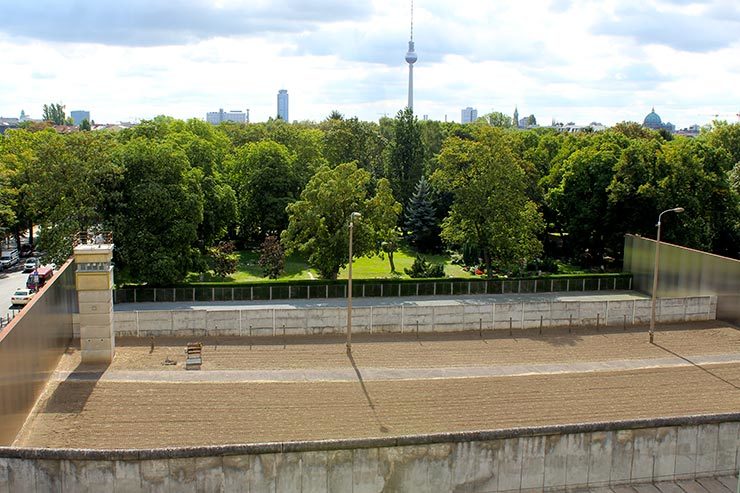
(10, 280)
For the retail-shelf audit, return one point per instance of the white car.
(31, 264)
(21, 296)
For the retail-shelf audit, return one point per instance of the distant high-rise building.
(216, 117)
(411, 59)
(282, 101)
(79, 115)
(516, 117)
(469, 115)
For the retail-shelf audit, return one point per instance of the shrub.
(423, 269)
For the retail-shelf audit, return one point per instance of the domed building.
(654, 122)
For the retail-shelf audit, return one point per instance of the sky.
(576, 61)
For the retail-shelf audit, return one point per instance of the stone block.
(95, 344)
(48, 477)
(577, 459)
(622, 456)
(314, 476)
(263, 469)
(439, 458)
(706, 448)
(533, 462)
(727, 447)
(4, 479)
(643, 455)
(98, 475)
(182, 475)
(510, 465)
(409, 468)
(288, 472)
(88, 331)
(339, 463)
(103, 296)
(366, 476)
(236, 471)
(94, 357)
(600, 458)
(155, 475)
(72, 476)
(21, 475)
(556, 454)
(219, 322)
(686, 452)
(665, 453)
(127, 476)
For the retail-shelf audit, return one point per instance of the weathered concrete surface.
(443, 316)
(577, 460)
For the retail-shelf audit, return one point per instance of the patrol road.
(261, 391)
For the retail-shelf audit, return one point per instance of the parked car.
(9, 258)
(31, 264)
(26, 250)
(21, 296)
(39, 277)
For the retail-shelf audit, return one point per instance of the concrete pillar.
(94, 281)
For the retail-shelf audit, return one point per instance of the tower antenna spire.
(411, 59)
(412, 20)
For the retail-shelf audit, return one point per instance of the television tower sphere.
(411, 54)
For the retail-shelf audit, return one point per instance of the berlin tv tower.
(410, 59)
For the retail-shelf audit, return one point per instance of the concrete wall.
(536, 459)
(31, 346)
(685, 272)
(406, 317)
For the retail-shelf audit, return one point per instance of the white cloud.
(574, 60)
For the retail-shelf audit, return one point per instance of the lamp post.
(349, 283)
(655, 271)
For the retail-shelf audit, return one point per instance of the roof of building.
(652, 119)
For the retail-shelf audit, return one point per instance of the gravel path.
(444, 384)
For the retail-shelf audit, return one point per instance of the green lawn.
(376, 267)
(297, 268)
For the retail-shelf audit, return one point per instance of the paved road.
(10, 280)
(411, 300)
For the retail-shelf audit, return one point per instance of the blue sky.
(571, 60)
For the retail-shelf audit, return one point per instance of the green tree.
(421, 268)
(265, 183)
(155, 222)
(421, 219)
(348, 139)
(223, 259)
(490, 211)
(85, 125)
(497, 119)
(318, 222)
(54, 113)
(272, 257)
(385, 211)
(580, 198)
(405, 163)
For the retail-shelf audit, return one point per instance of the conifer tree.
(421, 220)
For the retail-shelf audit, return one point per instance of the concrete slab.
(668, 487)
(730, 482)
(712, 485)
(646, 488)
(691, 486)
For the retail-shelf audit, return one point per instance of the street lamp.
(349, 282)
(655, 272)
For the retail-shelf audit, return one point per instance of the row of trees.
(171, 190)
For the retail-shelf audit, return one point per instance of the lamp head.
(678, 209)
(355, 215)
